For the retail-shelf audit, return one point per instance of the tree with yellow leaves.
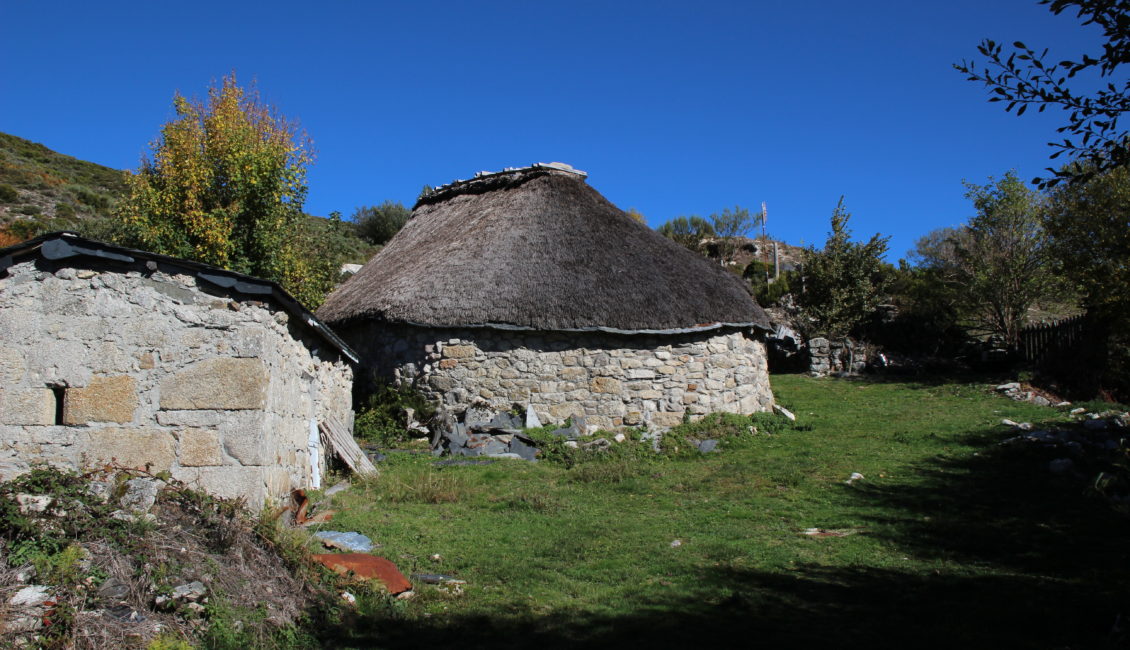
(225, 184)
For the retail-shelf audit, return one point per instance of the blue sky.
(672, 107)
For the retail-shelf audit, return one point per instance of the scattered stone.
(573, 431)
(524, 448)
(855, 476)
(1095, 425)
(619, 437)
(25, 574)
(1061, 465)
(571, 444)
(1060, 405)
(33, 503)
(600, 444)
(127, 614)
(1039, 400)
(190, 592)
(708, 446)
(437, 579)
(100, 490)
(406, 595)
(676, 543)
(532, 421)
(780, 410)
(505, 456)
(349, 598)
(113, 589)
(141, 494)
(31, 596)
(354, 542)
(826, 532)
(1004, 388)
(477, 417)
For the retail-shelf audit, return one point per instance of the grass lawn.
(956, 542)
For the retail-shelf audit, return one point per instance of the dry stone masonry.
(612, 380)
(158, 368)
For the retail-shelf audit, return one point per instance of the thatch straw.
(537, 248)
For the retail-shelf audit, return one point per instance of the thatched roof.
(537, 248)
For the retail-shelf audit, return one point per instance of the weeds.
(429, 486)
(383, 420)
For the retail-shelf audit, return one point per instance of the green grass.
(960, 541)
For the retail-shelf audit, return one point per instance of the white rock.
(855, 476)
(1095, 425)
(31, 596)
(676, 543)
(30, 503)
(1009, 386)
(780, 410)
(532, 420)
(619, 437)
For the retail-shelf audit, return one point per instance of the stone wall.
(153, 367)
(613, 380)
(827, 357)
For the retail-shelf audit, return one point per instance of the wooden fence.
(1040, 339)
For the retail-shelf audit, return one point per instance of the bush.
(64, 211)
(378, 224)
(29, 209)
(93, 199)
(384, 418)
(8, 194)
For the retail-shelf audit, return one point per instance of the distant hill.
(38, 185)
(42, 190)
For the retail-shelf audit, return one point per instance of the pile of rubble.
(1021, 393)
(485, 433)
(1095, 441)
(140, 559)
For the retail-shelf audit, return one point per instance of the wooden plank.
(343, 444)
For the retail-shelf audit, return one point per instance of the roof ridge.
(485, 177)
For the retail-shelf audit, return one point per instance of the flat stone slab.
(345, 541)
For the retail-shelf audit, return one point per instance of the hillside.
(42, 190)
(38, 185)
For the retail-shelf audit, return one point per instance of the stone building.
(527, 287)
(117, 355)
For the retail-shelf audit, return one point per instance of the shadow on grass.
(1024, 559)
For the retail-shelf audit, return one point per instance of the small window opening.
(60, 397)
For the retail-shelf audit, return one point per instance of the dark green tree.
(729, 225)
(999, 259)
(1023, 77)
(378, 224)
(1088, 226)
(844, 282)
(687, 231)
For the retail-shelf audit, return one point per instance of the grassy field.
(954, 540)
